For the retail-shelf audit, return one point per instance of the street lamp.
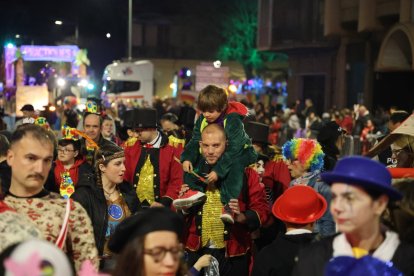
(129, 29)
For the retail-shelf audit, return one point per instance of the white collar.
(298, 231)
(384, 252)
(156, 143)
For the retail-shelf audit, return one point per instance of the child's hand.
(238, 215)
(203, 261)
(234, 206)
(187, 166)
(211, 177)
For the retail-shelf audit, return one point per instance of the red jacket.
(73, 171)
(168, 173)
(276, 176)
(252, 203)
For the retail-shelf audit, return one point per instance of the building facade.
(343, 52)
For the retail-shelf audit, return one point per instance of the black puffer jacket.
(92, 198)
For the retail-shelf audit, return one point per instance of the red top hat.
(300, 205)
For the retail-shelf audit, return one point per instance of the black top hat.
(141, 118)
(144, 222)
(257, 131)
(330, 132)
(27, 107)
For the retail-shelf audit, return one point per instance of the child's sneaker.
(227, 215)
(189, 199)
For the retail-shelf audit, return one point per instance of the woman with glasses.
(106, 200)
(148, 244)
(69, 165)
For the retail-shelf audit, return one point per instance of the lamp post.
(129, 29)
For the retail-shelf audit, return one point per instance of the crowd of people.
(219, 188)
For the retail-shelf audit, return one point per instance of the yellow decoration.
(131, 141)
(91, 107)
(277, 153)
(175, 142)
(67, 187)
(145, 187)
(41, 121)
(359, 252)
(212, 225)
(69, 133)
(204, 123)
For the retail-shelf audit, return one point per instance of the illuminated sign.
(65, 53)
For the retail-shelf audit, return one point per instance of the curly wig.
(307, 151)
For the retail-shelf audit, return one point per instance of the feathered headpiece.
(69, 133)
(307, 151)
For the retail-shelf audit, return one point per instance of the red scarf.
(73, 171)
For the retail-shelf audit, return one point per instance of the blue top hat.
(364, 172)
(365, 266)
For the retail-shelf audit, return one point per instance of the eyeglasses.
(65, 150)
(158, 253)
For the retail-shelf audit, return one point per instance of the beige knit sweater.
(48, 213)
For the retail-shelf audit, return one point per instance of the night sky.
(34, 22)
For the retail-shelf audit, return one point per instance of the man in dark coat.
(299, 207)
(92, 126)
(330, 137)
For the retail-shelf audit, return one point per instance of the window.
(123, 86)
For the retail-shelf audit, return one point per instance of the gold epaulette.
(130, 142)
(176, 142)
(277, 151)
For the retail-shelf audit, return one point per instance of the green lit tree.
(239, 31)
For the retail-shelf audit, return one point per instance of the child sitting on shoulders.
(229, 169)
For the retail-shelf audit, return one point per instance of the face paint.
(352, 208)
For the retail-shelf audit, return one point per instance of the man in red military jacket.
(206, 233)
(151, 165)
(274, 174)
